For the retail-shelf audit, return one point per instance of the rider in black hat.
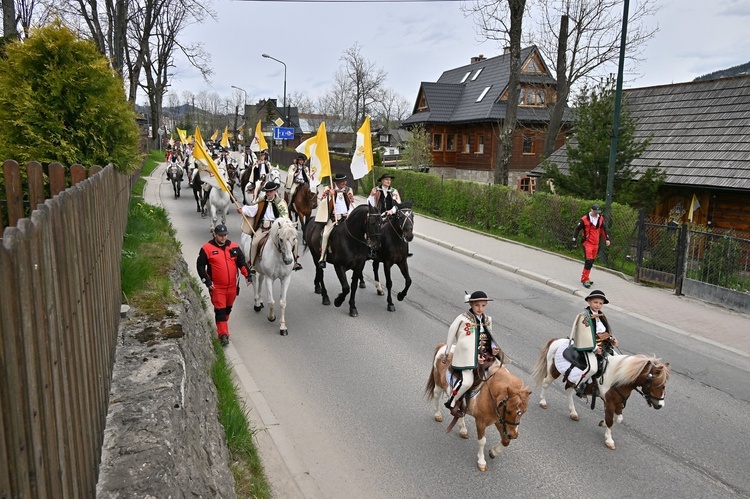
(296, 175)
(339, 202)
(384, 198)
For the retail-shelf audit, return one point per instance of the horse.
(304, 202)
(274, 261)
(174, 174)
(219, 201)
(624, 373)
(233, 175)
(501, 399)
(244, 181)
(194, 179)
(349, 251)
(273, 175)
(396, 232)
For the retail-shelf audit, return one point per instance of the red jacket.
(591, 232)
(219, 265)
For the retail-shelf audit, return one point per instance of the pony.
(396, 232)
(348, 251)
(624, 373)
(304, 202)
(219, 201)
(274, 261)
(174, 174)
(500, 399)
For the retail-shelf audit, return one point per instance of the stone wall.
(163, 437)
(480, 176)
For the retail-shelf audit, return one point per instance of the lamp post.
(244, 108)
(286, 111)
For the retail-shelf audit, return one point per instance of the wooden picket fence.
(59, 313)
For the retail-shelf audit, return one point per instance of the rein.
(400, 230)
(346, 225)
(645, 390)
(504, 404)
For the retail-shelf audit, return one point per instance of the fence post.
(639, 241)
(682, 248)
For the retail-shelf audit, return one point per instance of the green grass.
(148, 255)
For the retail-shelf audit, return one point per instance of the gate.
(660, 253)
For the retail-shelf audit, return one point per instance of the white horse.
(219, 201)
(274, 261)
(274, 175)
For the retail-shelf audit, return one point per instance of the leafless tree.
(581, 39)
(10, 31)
(391, 109)
(503, 22)
(363, 82)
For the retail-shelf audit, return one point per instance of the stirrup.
(252, 270)
(322, 264)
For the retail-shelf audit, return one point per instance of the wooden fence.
(59, 313)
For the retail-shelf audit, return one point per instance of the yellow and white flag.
(183, 135)
(201, 154)
(362, 160)
(225, 137)
(316, 149)
(694, 205)
(215, 135)
(259, 141)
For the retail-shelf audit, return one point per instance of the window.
(465, 77)
(480, 144)
(450, 142)
(532, 67)
(529, 144)
(532, 97)
(484, 92)
(476, 74)
(384, 139)
(527, 184)
(467, 144)
(437, 141)
(422, 103)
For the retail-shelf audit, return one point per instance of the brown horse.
(501, 400)
(623, 374)
(304, 202)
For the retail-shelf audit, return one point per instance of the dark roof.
(453, 98)
(700, 132)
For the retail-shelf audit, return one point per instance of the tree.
(417, 153)
(10, 32)
(503, 22)
(580, 39)
(60, 101)
(588, 153)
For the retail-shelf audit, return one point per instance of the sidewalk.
(694, 318)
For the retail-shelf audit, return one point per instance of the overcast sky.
(417, 41)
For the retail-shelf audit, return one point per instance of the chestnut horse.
(304, 202)
(501, 400)
(624, 373)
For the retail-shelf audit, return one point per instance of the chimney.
(506, 50)
(477, 58)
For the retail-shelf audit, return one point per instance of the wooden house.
(272, 115)
(463, 112)
(700, 138)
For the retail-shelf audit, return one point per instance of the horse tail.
(429, 390)
(540, 368)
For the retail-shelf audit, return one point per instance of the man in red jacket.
(592, 225)
(219, 262)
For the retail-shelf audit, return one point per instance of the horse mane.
(627, 370)
(286, 229)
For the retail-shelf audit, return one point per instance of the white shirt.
(252, 210)
(339, 203)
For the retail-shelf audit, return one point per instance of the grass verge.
(149, 248)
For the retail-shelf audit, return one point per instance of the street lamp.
(244, 110)
(245, 98)
(286, 111)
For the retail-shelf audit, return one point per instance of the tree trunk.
(505, 138)
(558, 110)
(9, 21)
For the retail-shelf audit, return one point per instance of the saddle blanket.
(452, 379)
(562, 364)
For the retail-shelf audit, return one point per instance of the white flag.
(362, 159)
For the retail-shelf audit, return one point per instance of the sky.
(417, 41)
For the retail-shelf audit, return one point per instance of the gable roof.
(700, 132)
(453, 98)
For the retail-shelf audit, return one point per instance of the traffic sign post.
(283, 133)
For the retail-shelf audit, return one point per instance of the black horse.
(396, 231)
(348, 251)
(201, 195)
(244, 180)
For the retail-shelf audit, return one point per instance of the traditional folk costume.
(592, 225)
(296, 175)
(472, 336)
(385, 200)
(339, 203)
(263, 212)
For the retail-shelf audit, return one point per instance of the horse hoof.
(400, 296)
(317, 290)
(381, 292)
(353, 312)
(338, 301)
(610, 446)
(326, 301)
(391, 307)
(283, 332)
(574, 417)
(492, 454)
(482, 467)
(543, 405)
(272, 319)
(257, 308)
(439, 418)
(464, 434)
(362, 285)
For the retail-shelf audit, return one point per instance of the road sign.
(282, 133)
(279, 122)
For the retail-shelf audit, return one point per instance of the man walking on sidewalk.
(592, 225)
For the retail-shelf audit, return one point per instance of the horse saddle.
(575, 357)
(262, 243)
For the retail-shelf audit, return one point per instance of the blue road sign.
(281, 133)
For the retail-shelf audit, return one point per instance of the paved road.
(340, 399)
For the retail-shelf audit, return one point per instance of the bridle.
(645, 390)
(405, 215)
(501, 409)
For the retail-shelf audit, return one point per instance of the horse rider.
(219, 262)
(174, 161)
(263, 211)
(223, 158)
(261, 167)
(248, 158)
(471, 332)
(339, 204)
(296, 175)
(384, 198)
(589, 331)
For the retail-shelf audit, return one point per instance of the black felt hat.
(270, 186)
(597, 294)
(339, 177)
(476, 296)
(385, 175)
